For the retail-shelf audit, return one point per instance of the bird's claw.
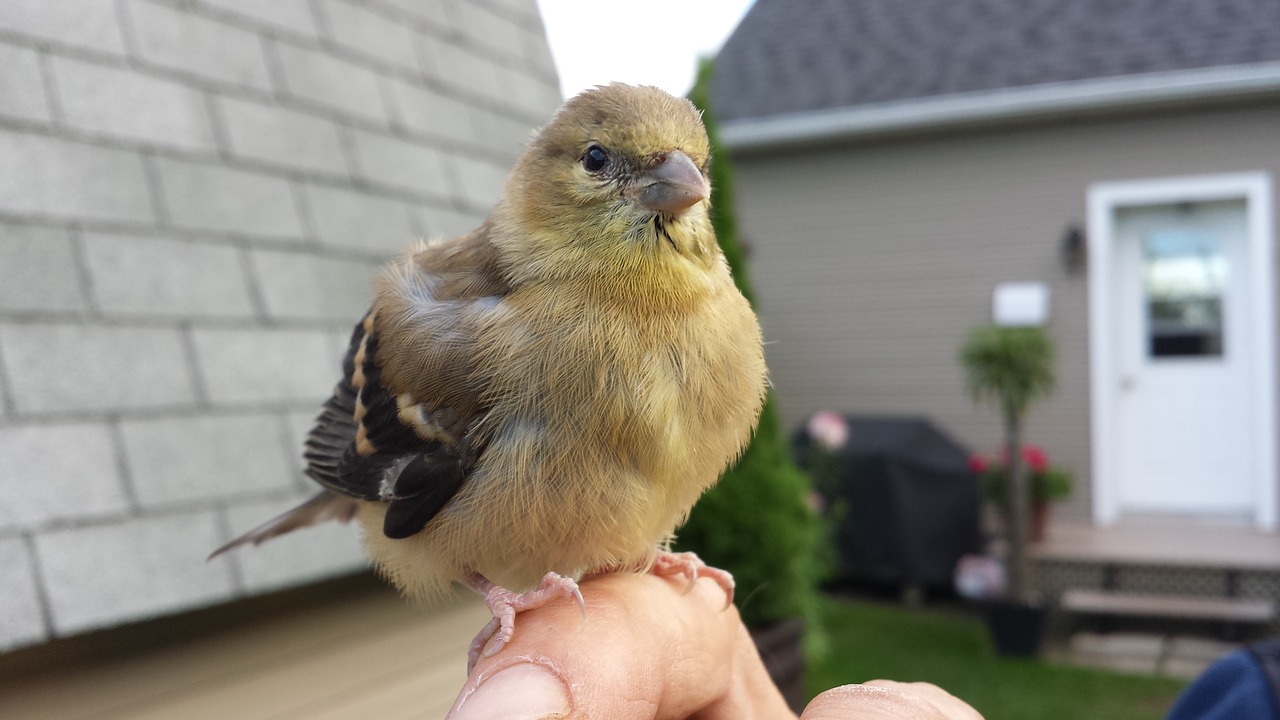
(505, 604)
(668, 564)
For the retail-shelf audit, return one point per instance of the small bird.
(546, 396)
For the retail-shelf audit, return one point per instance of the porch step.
(1112, 602)
(1168, 544)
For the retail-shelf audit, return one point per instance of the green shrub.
(756, 523)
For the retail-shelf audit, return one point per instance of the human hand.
(648, 650)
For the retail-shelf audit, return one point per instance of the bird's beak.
(672, 185)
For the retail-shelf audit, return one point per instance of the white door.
(1183, 359)
(1181, 356)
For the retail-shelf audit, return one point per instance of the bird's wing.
(402, 440)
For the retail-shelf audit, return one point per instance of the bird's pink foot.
(504, 604)
(668, 564)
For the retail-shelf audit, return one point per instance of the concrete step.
(1174, 656)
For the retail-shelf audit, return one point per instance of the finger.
(952, 707)
(888, 700)
(752, 694)
(647, 651)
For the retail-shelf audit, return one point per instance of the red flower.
(978, 463)
(1035, 458)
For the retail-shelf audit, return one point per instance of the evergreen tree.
(756, 523)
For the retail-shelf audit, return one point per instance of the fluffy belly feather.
(590, 465)
(524, 513)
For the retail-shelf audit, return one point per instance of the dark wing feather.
(361, 447)
(421, 489)
(365, 445)
(335, 428)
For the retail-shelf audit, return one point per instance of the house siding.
(194, 196)
(873, 259)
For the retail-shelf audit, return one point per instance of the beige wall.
(872, 260)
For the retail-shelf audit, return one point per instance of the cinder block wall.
(194, 195)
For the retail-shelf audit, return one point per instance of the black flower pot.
(1017, 629)
(781, 648)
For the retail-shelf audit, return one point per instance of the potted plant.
(757, 522)
(1010, 367)
(1046, 484)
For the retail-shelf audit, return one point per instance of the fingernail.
(523, 691)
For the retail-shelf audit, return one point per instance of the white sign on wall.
(1020, 304)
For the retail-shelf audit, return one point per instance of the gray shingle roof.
(794, 56)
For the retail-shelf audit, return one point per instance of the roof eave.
(1003, 105)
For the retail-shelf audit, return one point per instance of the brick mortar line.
(306, 215)
(8, 406)
(431, 74)
(80, 416)
(154, 512)
(247, 164)
(386, 69)
(257, 298)
(218, 125)
(358, 122)
(520, 60)
(57, 117)
(515, 61)
(240, 239)
(324, 250)
(143, 322)
(394, 14)
(128, 34)
(84, 278)
(155, 189)
(423, 79)
(191, 358)
(243, 21)
(324, 28)
(191, 412)
(528, 21)
(47, 418)
(224, 154)
(37, 580)
(319, 250)
(342, 52)
(124, 470)
(297, 478)
(319, 44)
(279, 92)
(350, 154)
(391, 103)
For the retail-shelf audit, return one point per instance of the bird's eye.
(595, 159)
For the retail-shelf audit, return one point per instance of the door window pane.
(1185, 275)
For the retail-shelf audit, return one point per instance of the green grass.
(952, 650)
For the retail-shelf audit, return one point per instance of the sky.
(651, 42)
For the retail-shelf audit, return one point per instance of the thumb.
(888, 700)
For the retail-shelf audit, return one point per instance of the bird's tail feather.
(324, 507)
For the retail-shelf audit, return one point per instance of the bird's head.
(616, 183)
